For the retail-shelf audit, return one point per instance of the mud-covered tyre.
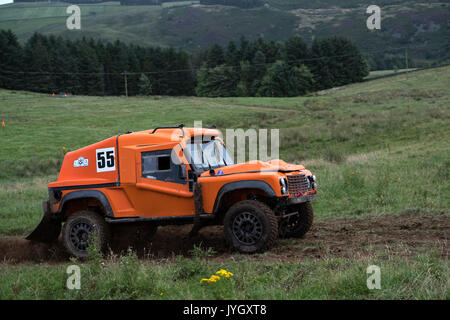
(296, 226)
(80, 227)
(250, 226)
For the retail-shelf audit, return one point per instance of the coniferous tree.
(282, 80)
(119, 66)
(50, 64)
(272, 51)
(185, 80)
(295, 50)
(244, 85)
(320, 64)
(37, 64)
(215, 56)
(91, 79)
(145, 87)
(244, 50)
(11, 60)
(352, 66)
(232, 55)
(133, 68)
(62, 66)
(259, 70)
(220, 81)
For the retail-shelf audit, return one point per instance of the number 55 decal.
(106, 159)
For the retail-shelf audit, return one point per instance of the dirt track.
(401, 235)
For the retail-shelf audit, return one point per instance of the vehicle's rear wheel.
(297, 225)
(79, 229)
(250, 226)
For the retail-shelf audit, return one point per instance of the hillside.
(421, 26)
(380, 150)
(378, 147)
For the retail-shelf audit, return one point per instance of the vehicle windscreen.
(206, 155)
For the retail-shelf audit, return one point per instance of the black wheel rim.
(289, 225)
(79, 235)
(247, 228)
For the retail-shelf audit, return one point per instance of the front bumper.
(301, 199)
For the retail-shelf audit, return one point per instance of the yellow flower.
(161, 293)
(213, 278)
(224, 273)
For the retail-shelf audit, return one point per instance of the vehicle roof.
(165, 135)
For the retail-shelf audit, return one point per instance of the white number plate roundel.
(106, 159)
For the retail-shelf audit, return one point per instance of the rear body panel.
(92, 165)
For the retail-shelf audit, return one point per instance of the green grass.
(422, 277)
(379, 147)
(381, 73)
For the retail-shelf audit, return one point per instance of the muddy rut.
(401, 235)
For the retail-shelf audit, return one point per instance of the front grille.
(297, 184)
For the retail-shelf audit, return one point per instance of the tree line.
(268, 68)
(247, 68)
(88, 67)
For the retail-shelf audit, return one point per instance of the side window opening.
(158, 165)
(164, 163)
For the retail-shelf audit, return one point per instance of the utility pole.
(126, 84)
(406, 58)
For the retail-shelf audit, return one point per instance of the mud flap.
(48, 229)
(198, 204)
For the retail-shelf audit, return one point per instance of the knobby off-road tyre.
(78, 229)
(298, 225)
(250, 226)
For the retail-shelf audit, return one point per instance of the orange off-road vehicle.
(174, 175)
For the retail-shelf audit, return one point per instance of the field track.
(396, 235)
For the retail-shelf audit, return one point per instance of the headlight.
(283, 184)
(313, 177)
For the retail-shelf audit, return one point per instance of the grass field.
(422, 277)
(381, 73)
(379, 148)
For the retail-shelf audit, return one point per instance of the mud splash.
(403, 235)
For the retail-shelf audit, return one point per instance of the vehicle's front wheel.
(83, 227)
(298, 224)
(250, 226)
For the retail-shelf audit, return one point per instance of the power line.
(9, 98)
(190, 69)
